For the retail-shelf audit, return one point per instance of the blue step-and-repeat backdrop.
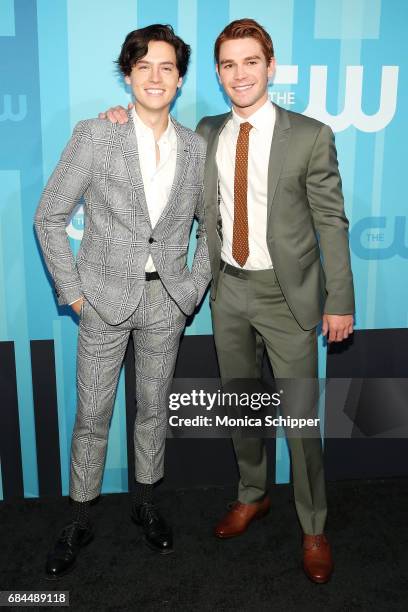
(341, 61)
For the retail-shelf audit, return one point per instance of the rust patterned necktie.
(240, 245)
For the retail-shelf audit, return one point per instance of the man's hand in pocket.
(76, 306)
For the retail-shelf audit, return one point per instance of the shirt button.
(151, 240)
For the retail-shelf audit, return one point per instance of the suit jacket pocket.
(309, 257)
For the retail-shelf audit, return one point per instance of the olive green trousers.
(247, 308)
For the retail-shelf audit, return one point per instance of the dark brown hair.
(136, 46)
(245, 28)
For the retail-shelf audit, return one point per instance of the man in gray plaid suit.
(142, 185)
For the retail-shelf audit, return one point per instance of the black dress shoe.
(157, 534)
(62, 559)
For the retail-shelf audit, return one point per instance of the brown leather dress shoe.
(238, 519)
(317, 558)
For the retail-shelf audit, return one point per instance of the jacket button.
(151, 240)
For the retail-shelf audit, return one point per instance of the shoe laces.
(317, 541)
(67, 534)
(149, 512)
(234, 505)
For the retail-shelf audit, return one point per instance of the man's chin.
(243, 103)
(155, 105)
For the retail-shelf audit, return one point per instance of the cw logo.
(75, 228)
(368, 241)
(8, 114)
(352, 113)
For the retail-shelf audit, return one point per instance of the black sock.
(80, 511)
(142, 494)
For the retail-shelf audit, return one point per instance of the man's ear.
(127, 79)
(271, 68)
(179, 82)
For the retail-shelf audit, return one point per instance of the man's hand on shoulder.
(337, 327)
(76, 306)
(116, 114)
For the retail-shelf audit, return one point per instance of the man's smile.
(240, 88)
(154, 91)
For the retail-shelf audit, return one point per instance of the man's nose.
(155, 74)
(240, 72)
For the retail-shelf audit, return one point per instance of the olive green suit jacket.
(306, 230)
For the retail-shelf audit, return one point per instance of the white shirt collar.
(144, 131)
(260, 119)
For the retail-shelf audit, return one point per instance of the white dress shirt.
(157, 179)
(260, 139)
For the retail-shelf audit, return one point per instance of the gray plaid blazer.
(101, 163)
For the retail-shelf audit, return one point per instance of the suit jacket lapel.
(279, 146)
(182, 161)
(211, 171)
(131, 155)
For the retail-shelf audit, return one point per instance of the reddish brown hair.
(245, 28)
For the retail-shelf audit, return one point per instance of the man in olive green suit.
(271, 185)
(273, 206)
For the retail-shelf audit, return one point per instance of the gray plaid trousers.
(156, 326)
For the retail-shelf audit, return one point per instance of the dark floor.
(368, 529)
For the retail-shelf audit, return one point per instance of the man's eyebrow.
(246, 59)
(143, 61)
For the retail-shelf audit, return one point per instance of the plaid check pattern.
(101, 164)
(156, 327)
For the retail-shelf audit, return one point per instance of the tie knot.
(245, 127)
